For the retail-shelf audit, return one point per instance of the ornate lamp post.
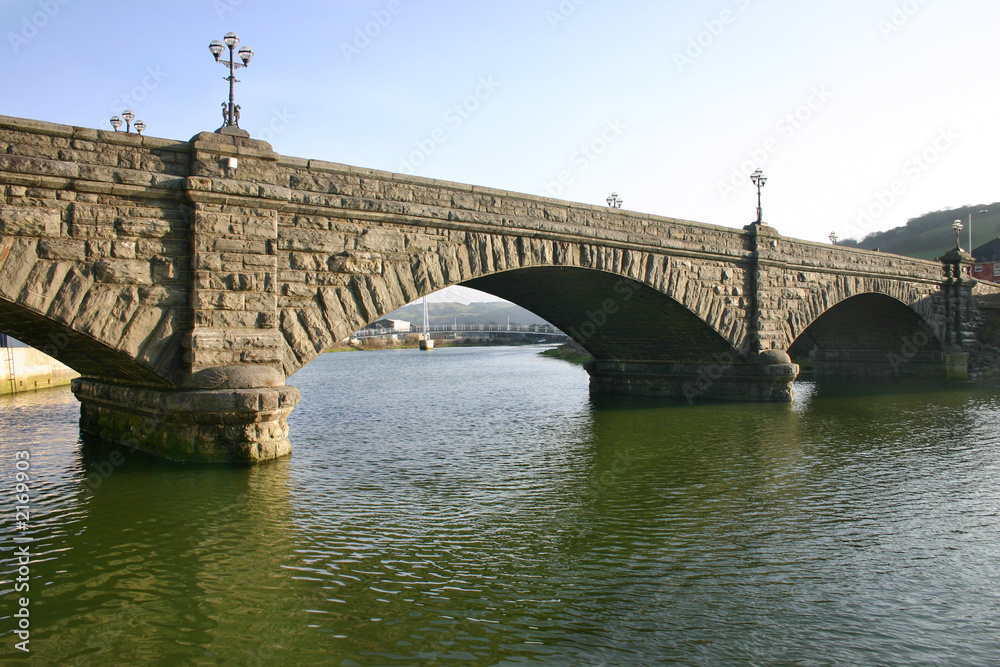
(231, 113)
(833, 238)
(128, 116)
(759, 179)
(614, 201)
(957, 226)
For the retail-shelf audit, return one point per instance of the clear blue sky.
(885, 106)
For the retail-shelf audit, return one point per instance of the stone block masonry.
(186, 281)
(207, 426)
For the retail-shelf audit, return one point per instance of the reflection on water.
(478, 507)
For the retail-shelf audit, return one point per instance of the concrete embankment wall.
(27, 369)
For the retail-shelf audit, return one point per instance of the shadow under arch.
(614, 318)
(80, 352)
(643, 340)
(870, 335)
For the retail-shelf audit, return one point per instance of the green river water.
(477, 506)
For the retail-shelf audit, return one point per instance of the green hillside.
(489, 312)
(931, 235)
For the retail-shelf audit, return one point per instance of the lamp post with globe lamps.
(231, 114)
(759, 179)
(128, 117)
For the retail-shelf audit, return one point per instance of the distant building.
(987, 258)
(394, 326)
(989, 271)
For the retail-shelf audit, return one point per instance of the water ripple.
(478, 507)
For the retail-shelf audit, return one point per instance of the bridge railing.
(462, 328)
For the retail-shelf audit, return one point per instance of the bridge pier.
(232, 425)
(229, 401)
(909, 361)
(726, 379)
(960, 313)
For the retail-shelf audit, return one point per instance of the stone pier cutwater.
(211, 425)
(769, 378)
(186, 280)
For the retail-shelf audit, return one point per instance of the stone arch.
(83, 353)
(79, 314)
(362, 286)
(614, 317)
(870, 334)
(918, 297)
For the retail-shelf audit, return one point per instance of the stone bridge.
(186, 281)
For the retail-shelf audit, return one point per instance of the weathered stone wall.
(234, 225)
(211, 425)
(804, 280)
(187, 280)
(163, 252)
(355, 244)
(94, 256)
